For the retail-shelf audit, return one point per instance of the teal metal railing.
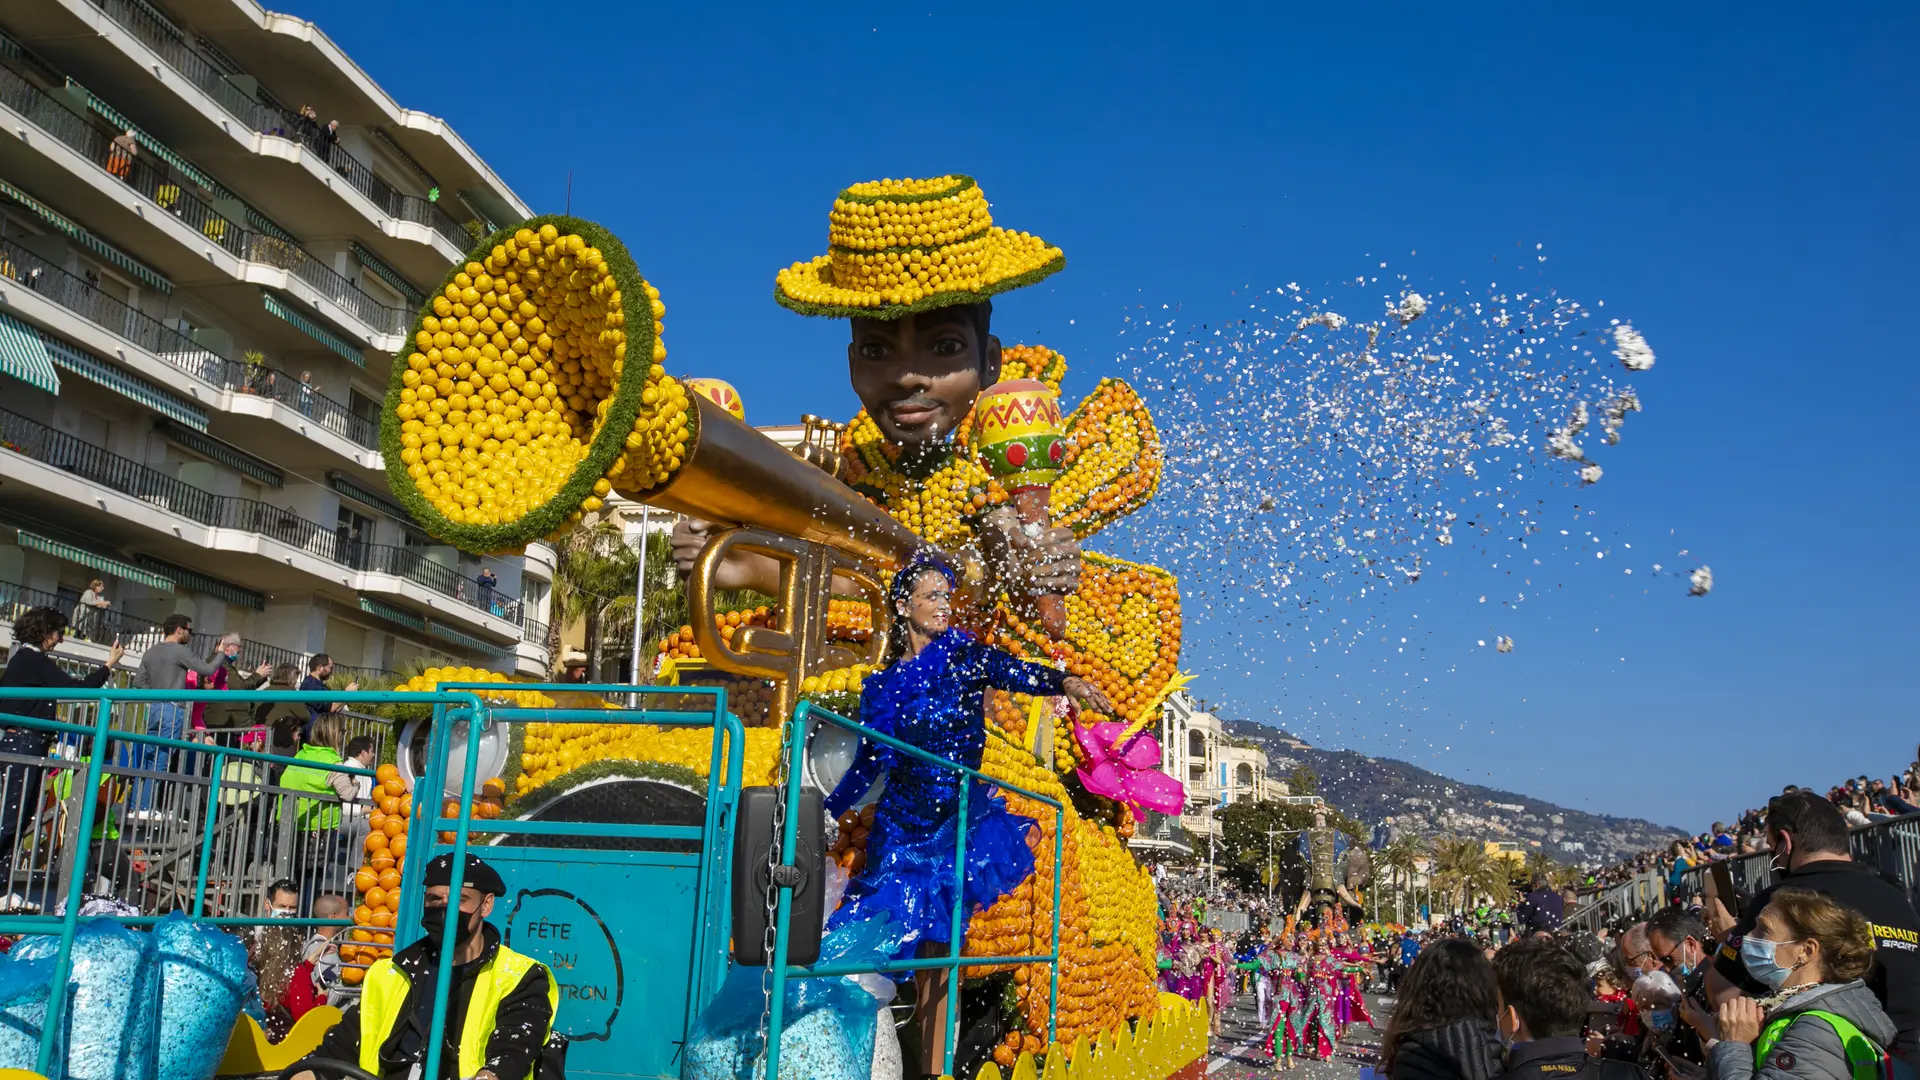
(782, 971)
(454, 705)
(714, 836)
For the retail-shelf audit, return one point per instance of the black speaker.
(755, 847)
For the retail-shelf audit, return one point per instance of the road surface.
(1239, 1051)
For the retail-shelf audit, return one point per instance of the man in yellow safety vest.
(500, 1004)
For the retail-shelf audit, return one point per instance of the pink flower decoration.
(1129, 773)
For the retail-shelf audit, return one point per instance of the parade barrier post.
(655, 1028)
(98, 735)
(782, 971)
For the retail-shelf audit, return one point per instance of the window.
(1196, 744)
(1245, 774)
(352, 533)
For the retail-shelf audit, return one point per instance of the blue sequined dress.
(935, 701)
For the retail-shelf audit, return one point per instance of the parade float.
(536, 387)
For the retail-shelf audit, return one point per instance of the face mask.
(1660, 1019)
(282, 912)
(1757, 955)
(434, 921)
(1634, 973)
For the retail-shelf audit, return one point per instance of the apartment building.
(214, 229)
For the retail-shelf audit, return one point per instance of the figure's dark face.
(918, 375)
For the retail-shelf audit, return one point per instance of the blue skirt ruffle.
(910, 875)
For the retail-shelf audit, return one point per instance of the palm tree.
(593, 580)
(1460, 866)
(1401, 859)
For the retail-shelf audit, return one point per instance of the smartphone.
(1722, 873)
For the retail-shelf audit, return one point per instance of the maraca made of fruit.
(1017, 436)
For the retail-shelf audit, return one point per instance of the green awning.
(201, 583)
(152, 145)
(455, 637)
(86, 239)
(346, 485)
(98, 371)
(392, 614)
(24, 356)
(386, 273)
(313, 329)
(224, 453)
(106, 564)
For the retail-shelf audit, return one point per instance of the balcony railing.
(275, 119)
(85, 300)
(534, 632)
(106, 625)
(83, 459)
(181, 197)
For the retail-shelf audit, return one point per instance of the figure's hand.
(1088, 695)
(352, 685)
(1739, 1020)
(1050, 564)
(115, 653)
(263, 670)
(689, 539)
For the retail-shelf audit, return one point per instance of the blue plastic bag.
(23, 1010)
(113, 1007)
(204, 985)
(829, 1022)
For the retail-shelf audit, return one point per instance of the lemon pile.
(1113, 460)
(514, 369)
(553, 750)
(846, 680)
(434, 677)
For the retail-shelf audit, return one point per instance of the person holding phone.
(35, 635)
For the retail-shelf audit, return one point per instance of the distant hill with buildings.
(1408, 799)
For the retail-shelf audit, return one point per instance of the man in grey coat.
(164, 666)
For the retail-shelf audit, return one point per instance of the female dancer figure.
(933, 696)
(1349, 964)
(1283, 1038)
(1318, 1032)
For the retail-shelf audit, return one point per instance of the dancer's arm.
(871, 760)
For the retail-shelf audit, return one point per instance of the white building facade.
(215, 230)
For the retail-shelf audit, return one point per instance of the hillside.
(1424, 803)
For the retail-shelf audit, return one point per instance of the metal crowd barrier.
(714, 836)
(1890, 848)
(206, 819)
(953, 961)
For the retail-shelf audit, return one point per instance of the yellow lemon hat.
(896, 246)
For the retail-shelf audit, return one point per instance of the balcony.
(269, 117)
(181, 196)
(32, 439)
(179, 351)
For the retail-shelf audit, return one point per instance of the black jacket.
(1463, 1050)
(519, 1032)
(1564, 1058)
(1895, 978)
(1541, 909)
(29, 666)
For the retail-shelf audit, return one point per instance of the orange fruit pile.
(680, 646)
(850, 850)
(378, 879)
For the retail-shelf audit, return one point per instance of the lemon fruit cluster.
(532, 388)
(1108, 924)
(846, 680)
(1113, 460)
(434, 677)
(896, 246)
(551, 751)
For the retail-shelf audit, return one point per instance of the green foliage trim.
(608, 442)
(962, 183)
(677, 775)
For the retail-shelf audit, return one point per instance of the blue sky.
(1734, 185)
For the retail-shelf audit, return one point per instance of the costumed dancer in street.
(1220, 988)
(1318, 1033)
(1253, 963)
(1350, 967)
(932, 696)
(1283, 1037)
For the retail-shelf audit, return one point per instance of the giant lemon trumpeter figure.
(537, 385)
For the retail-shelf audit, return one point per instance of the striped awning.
(360, 493)
(313, 329)
(386, 273)
(201, 583)
(98, 371)
(86, 239)
(24, 356)
(465, 641)
(224, 453)
(106, 564)
(392, 614)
